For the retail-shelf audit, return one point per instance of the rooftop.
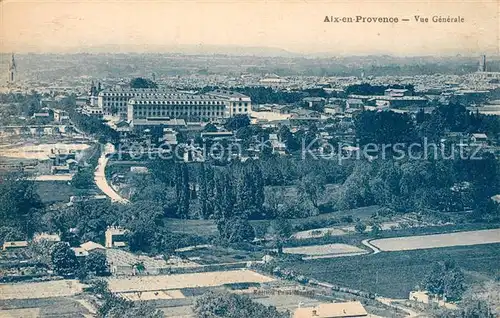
(227, 94)
(157, 122)
(174, 96)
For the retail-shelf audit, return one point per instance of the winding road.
(375, 250)
(100, 176)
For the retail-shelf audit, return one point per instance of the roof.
(135, 90)
(332, 310)
(9, 244)
(46, 236)
(480, 135)
(155, 122)
(89, 246)
(227, 94)
(115, 230)
(176, 97)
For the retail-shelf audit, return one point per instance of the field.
(56, 191)
(438, 240)
(46, 307)
(208, 227)
(40, 151)
(207, 279)
(59, 288)
(395, 274)
(327, 250)
(218, 255)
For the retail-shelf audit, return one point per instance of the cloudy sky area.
(296, 26)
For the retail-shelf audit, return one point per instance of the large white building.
(114, 101)
(132, 104)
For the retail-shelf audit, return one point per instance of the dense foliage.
(140, 82)
(226, 305)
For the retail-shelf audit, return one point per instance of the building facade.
(114, 101)
(130, 104)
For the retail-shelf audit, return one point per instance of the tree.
(140, 82)
(210, 128)
(113, 306)
(360, 227)
(384, 128)
(40, 251)
(376, 229)
(238, 121)
(63, 259)
(96, 263)
(481, 301)
(446, 280)
(226, 305)
(355, 191)
(8, 233)
(182, 190)
(83, 179)
(311, 187)
(19, 203)
(279, 230)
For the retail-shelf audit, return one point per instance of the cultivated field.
(193, 280)
(395, 274)
(327, 250)
(41, 151)
(438, 240)
(151, 295)
(59, 288)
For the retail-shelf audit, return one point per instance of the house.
(13, 245)
(426, 298)
(80, 252)
(354, 103)
(61, 116)
(420, 296)
(333, 109)
(139, 170)
(314, 102)
(90, 246)
(216, 135)
(115, 237)
(332, 310)
(479, 138)
(43, 115)
(281, 109)
(397, 92)
(170, 136)
(46, 237)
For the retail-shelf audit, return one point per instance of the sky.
(295, 26)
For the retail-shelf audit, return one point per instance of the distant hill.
(188, 49)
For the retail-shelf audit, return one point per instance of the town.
(251, 194)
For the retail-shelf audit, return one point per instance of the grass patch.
(219, 255)
(56, 191)
(395, 274)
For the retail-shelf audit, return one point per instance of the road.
(375, 250)
(100, 176)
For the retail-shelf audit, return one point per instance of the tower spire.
(12, 69)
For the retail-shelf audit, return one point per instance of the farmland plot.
(438, 240)
(325, 251)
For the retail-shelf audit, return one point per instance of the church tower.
(12, 69)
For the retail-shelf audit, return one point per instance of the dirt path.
(390, 302)
(100, 176)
